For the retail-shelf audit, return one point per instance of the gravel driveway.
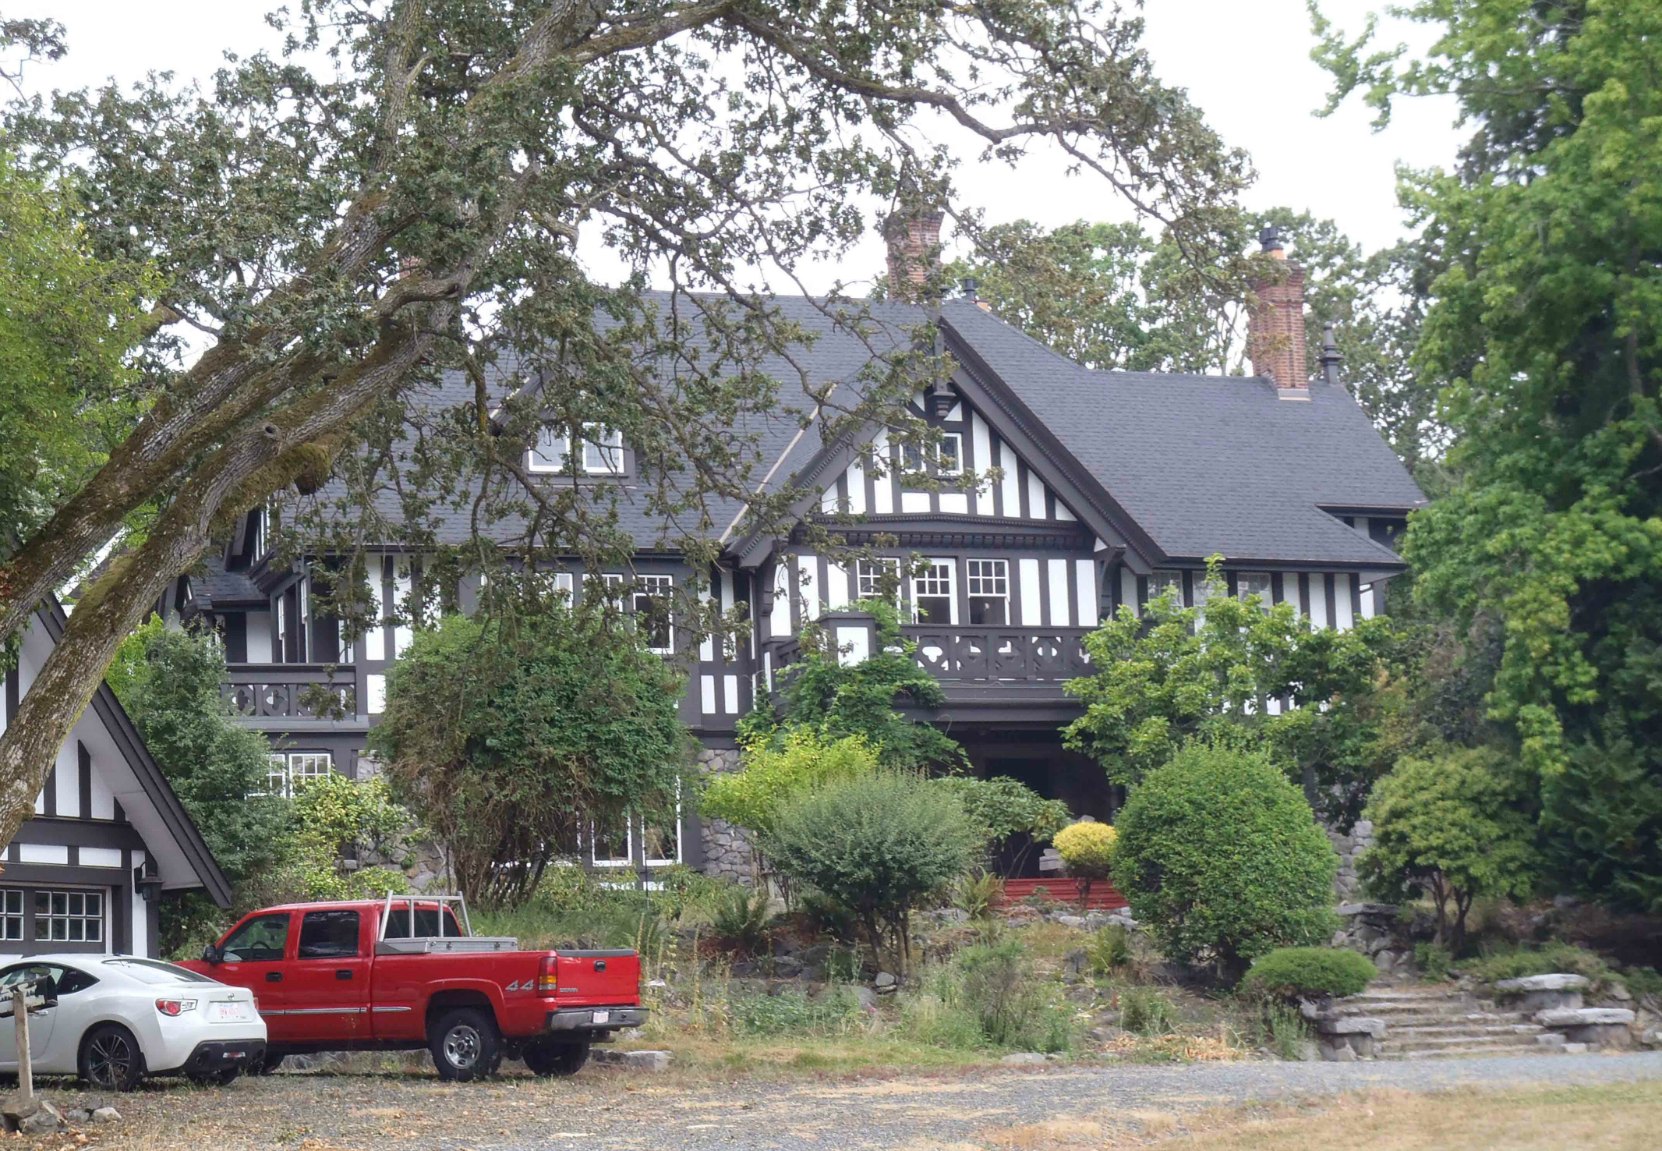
(605, 1108)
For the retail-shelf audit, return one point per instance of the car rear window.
(155, 971)
(426, 923)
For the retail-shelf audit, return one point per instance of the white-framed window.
(69, 916)
(988, 585)
(602, 450)
(1254, 583)
(291, 770)
(551, 451)
(933, 597)
(877, 579)
(947, 451)
(614, 846)
(11, 914)
(1162, 582)
(653, 617)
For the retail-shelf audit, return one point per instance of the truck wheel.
(110, 1058)
(464, 1044)
(556, 1058)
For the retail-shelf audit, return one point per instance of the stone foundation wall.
(1346, 885)
(726, 848)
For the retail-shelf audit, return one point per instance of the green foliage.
(1549, 959)
(1308, 973)
(1433, 961)
(775, 771)
(1545, 340)
(1453, 826)
(878, 844)
(1283, 1030)
(1220, 857)
(507, 734)
(1087, 848)
(977, 894)
(1109, 950)
(1175, 674)
(1005, 807)
(987, 997)
(1147, 1011)
(820, 694)
(740, 920)
(834, 1012)
(169, 682)
(334, 818)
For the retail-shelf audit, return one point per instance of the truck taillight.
(548, 975)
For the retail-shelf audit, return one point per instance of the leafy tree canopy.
(775, 771)
(510, 735)
(1545, 335)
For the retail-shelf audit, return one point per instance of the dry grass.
(1614, 1117)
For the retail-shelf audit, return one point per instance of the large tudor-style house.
(1099, 490)
(108, 836)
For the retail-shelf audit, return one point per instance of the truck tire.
(550, 1058)
(464, 1044)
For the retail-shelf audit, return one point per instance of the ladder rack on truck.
(417, 942)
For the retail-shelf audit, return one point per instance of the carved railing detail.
(1001, 654)
(290, 691)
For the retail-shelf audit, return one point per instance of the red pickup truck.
(406, 973)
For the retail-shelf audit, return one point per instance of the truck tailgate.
(607, 976)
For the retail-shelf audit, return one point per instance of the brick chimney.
(914, 238)
(1275, 322)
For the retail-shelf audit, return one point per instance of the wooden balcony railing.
(1001, 654)
(290, 690)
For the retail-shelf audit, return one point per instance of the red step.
(1104, 897)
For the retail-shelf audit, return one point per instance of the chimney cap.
(969, 285)
(1272, 239)
(1331, 357)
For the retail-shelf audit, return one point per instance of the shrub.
(877, 844)
(976, 894)
(1109, 950)
(1221, 858)
(1013, 1008)
(740, 919)
(1283, 1030)
(1006, 808)
(1434, 961)
(1550, 959)
(793, 1013)
(1307, 973)
(1146, 1011)
(776, 771)
(1454, 826)
(1087, 850)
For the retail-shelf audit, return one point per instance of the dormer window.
(598, 451)
(947, 451)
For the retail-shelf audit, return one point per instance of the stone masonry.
(1346, 884)
(727, 851)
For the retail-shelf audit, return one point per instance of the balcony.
(290, 691)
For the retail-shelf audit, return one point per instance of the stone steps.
(1440, 1022)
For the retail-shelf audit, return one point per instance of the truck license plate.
(602, 1016)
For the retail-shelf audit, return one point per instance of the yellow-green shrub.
(1087, 848)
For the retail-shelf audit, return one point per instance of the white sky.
(1245, 63)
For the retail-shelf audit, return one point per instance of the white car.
(115, 1019)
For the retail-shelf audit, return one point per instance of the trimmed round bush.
(1307, 973)
(1087, 848)
(1220, 857)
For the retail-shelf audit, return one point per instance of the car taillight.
(175, 1007)
(548, 976)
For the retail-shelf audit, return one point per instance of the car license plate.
(230, 1012)
(602, 1016)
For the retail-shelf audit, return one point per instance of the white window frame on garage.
(74, 915)
(11, 914)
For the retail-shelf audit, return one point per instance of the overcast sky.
(1245, 63)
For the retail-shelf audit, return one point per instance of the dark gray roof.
(216, 585)
(1208, 464)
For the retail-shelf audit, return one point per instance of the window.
(428, 923)
(328, 935)
(1254, 583)
(933, 600)
(69, 916)
(552, 449)
(613, 845)
(877, 579)
(262, 939)
(1166, 582)
(653, 617)
(157, 971)
(51, 980)
(602, 450)
(948, 452)
(989, 591)
(11, 914)
(289, 772)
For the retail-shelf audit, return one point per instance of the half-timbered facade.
(108, 836)
(1050, 497)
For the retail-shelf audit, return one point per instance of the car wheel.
(556, 1058)
(464, 1044)
(111, 1059)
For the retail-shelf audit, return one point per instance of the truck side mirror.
(212, 954)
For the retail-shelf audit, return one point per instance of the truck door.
(255, 956)
(329, 978)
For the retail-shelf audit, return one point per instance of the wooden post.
(25, 1066)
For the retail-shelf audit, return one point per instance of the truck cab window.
(260, 940)
(328, 935)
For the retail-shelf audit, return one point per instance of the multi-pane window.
(552, 449)
(933, 600)
(988, 584)
(877, 579)
(613, 845)
(1168, 583)
(1254, 583)
(287, 773)
(947, 452)
(653, 617)
(602, 450)
(69, 917)
(11, 914)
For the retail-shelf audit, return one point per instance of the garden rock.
(886, 983)
(1544, 992)
(1023, 1059)
(1591, 1026)
(1078, 921)
(34, 1117)
(650, 1061)
(1351, 1025)
(105, 1115)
